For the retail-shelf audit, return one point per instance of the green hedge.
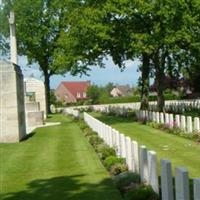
(130, 99)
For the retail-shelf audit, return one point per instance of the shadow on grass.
(28, 136)
(65, 188)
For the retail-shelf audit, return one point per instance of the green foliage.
(141, 193)
(175, 130)
(118, 168)
(83, 125)
(112, 160)
(93, 93)
(105, 151)
(39, 27)
(127, 99)
(126, 179)
(95, 140)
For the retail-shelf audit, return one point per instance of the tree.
(107, 28)
(39, 26)
(93, 93)
(109, 88)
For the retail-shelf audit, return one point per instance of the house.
(71, 92)
(121, 90)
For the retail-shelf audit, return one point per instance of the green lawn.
(181, 151)
(55, 163)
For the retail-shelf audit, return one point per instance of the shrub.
(90, 133)
(112, 160)
(126, 179)
(118, 168)
(141, 193)
(95, 140)
(83, 126)
(87, 131)
(105, 151)
(131, 114)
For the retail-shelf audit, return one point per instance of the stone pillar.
(12, 109)
(182, 184)
(13, 40)
(166, 180)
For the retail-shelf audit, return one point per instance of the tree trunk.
(145, 82)
(47, 91)
(160, 76)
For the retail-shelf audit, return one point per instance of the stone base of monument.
(34, 119)
(12, 110)
(32, 106)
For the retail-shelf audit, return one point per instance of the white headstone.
(189, 124)
(196, 124)
(177, 120)
(135, 156)
(196, 186)
(166, 118)
(144, 174)
(183, 123)
(162, 118)
(182, 184)
(171, 120)
(152, 166)
(166, 180)
(129, 153)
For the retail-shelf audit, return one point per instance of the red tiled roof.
(76, 87)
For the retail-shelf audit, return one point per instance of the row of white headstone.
(144, 162)
(136, 105)
(185, 123)
(73, 112)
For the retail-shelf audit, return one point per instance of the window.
(78, 95)
(84, 94)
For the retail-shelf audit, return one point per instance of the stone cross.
(13, 41)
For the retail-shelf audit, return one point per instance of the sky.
(97, 75)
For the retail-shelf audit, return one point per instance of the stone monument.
(12, 109)
(36, 88)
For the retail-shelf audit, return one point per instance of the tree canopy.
(72, 35)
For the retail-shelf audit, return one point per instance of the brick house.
(71, 92)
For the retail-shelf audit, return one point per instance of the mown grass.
(55, 163)
(181, 151)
